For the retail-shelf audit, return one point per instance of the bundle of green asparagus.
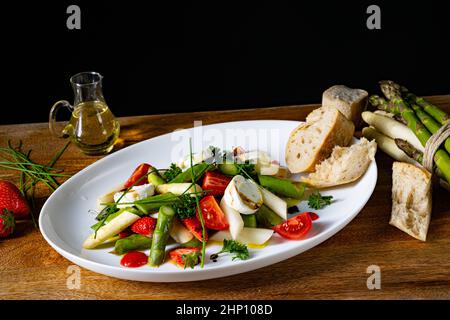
(405, 140)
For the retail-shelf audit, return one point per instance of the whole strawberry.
(144, 226)
(12, 200)
(7, 223)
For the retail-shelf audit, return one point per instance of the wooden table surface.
(336, 269)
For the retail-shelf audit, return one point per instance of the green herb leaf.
(172, 172)
(237, 249)
(191, 259)
(246, 169)
(317, 201)
(185, 207)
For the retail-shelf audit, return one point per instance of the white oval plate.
(65, 219)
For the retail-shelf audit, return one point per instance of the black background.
(165, 57)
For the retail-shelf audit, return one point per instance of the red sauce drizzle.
(134, 259)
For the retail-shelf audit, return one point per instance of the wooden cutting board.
(336, 269)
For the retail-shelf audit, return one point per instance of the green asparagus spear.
(153, 203)
(393, 92)
(409, 149)
(193, 243)
(413, 153)
(439, 115)
(432, 125)
(186, 176)
(132, 242)
(249, 220)
(161, 235)
(282, 187)
(230, 169)
(426, 119)
(398, 106)
(154, 178)
(267, 218)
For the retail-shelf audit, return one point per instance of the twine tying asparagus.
(432, 146)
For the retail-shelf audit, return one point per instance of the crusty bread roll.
(345, 165)
(411, 199)
(313, 141)
(351, 102)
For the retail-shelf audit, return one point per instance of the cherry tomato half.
(213, 215)
(215, 183)
(138, 173)
(296, 227)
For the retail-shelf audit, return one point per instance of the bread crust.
(411, 199)
(339, 134)
(339, 96)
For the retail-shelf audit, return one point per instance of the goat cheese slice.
(243, 195)
(135, 193)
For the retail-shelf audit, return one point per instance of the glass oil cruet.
(92, 126)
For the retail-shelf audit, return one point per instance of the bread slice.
(411, 199)
(346, 164)
(313, 141)
(351, 102)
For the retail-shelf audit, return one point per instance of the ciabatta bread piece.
(345, 165)
(411, 199)
(351, 102)
(313, 141)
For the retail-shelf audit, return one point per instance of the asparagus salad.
(237, 198)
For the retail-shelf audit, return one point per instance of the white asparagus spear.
(180, 233)
(387, 145)
(234, 219)
(178, 188)
(249, 236)
(116, 225)
(278, 205)
(391, 128)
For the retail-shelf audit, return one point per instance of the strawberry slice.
(194, 225)
(12, 200)
(185, 257)
(144, 226)
(137, 178)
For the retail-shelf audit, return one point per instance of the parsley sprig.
(172, 172)
(246, 169)
(185, 207)
(191, 259)
(317, 201)
(237, 249)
